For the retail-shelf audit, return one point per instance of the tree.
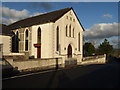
(88, 49)
(105, 48)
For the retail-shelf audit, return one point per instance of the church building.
(49, 35)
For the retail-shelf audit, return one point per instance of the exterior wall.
(94, 60)
(6, 44)
(37, 63)
(65, 41)
(46, 39)
(21, 36)
(52, 62)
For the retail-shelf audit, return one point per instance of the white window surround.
(28, 38)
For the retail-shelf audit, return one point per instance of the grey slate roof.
(4, 30)
(41, 19)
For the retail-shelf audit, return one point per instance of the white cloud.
(8, 21)
(35, 14)
(98, 32)
(101, 30)
(11, 15)
(107, 16)
(115, 42)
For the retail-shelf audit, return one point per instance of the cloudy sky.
(99, 19)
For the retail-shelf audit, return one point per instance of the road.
(89, 76)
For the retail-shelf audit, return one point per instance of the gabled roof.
(4, 30)
(40, 19)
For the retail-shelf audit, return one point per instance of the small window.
(66, 17)
(70, 18)
(70, 13)
(73, 20)
(73, 32)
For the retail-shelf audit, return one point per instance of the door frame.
(38, 52)
(69, 51)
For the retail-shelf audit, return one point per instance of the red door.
(39, 52)
(69, 51)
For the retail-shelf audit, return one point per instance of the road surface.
(88, 76)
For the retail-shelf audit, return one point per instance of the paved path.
(90, 76)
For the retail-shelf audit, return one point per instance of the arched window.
(70, 31)
(57, 39)
(78, 41)
(73, 32)
(17, 42)
(39, 36)
(13, 42)
(26, 40)
(66, 30)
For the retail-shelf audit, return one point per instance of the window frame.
(79, 41)
(27, 40)
(39, 36)
(70, 31)
(57, 38)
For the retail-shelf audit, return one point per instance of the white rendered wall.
(48, 37)
(6, 41)
(65, 41)
(45, 40)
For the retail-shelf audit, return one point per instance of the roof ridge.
(40, 15)
(40, 19)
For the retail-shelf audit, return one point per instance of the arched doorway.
(69, 51)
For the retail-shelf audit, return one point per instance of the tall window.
(78, 41)
(17, 42)
(73, 32)
(13, 42)
(1, 47)
(57, 39)
(66, 30)
(70, 31)
(26, 40)
(39, 35)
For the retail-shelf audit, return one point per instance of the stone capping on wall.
(93, 57)
(15, 56)
(37, 63)
(101, 59)
(38, 59)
